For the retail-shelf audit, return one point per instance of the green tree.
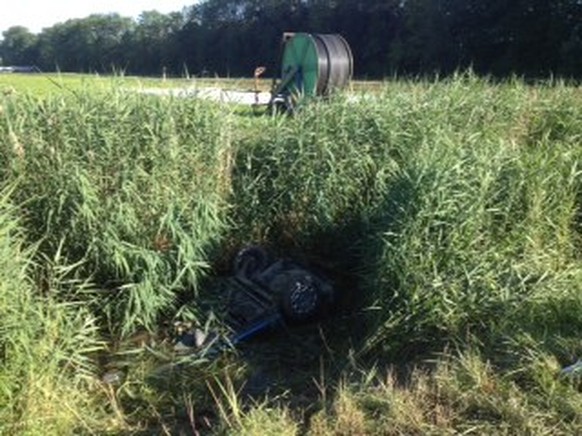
(88, 44)
(18, 46)
(534, 38)
(152, 45)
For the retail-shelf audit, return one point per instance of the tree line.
(532, 38)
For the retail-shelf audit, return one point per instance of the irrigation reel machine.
(312, 65)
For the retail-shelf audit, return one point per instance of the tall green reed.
(487, 228)
(47, 376)
(445, 207)
(132, 186)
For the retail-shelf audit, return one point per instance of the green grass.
(449, 215)
(43, 84)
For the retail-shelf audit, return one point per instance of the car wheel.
(250, 261)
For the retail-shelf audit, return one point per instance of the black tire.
(250, 262)
(301, 301)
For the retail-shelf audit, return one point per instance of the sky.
(37, 14)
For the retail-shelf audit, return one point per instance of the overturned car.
(264, 293)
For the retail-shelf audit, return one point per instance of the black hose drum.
(314, 65)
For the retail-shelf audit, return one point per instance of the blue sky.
(37, 14)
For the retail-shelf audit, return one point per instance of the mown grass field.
(447, 213)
